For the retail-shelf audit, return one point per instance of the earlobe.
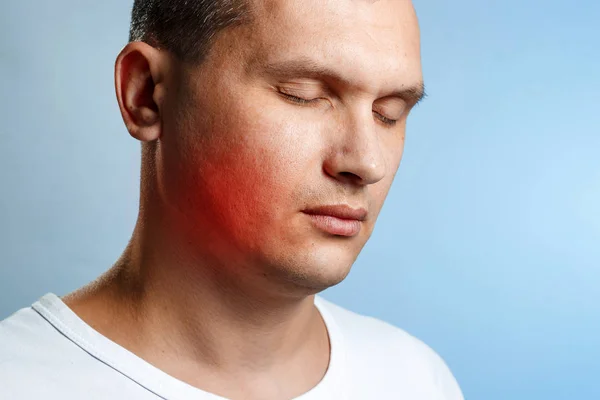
(137, 76)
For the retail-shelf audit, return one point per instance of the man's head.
(277, 108)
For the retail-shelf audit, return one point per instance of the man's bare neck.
(193, 326)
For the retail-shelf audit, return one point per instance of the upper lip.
(339, 211)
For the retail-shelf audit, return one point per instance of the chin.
(312, 274)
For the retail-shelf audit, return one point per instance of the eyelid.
(296, 99)
(299, 93)
(387, 121)
(299, 96)
(398, 111)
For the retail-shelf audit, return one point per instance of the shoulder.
(30, 350)
(38, 360)
(22, 334)
(383, 351)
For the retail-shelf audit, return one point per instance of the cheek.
(254, 169)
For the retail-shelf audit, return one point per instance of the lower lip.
(336, 226)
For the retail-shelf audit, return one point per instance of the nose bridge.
(359, 154)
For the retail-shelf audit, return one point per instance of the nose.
(356, 156)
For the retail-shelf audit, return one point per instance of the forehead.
(366, 40)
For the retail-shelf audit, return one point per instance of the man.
(271, 132)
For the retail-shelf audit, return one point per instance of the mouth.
(338, 220)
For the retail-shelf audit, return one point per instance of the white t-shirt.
(48, 352)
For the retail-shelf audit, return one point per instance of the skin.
(217, 284)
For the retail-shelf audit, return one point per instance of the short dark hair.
(186, 28)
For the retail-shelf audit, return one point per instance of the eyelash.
(299, 100)
(385, 120)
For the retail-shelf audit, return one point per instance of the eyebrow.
(413, 94)
(308, 68)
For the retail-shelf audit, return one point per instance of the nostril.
(349, 176)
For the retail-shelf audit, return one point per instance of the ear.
(139, 83)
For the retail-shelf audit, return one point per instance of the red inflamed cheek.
(243, 197)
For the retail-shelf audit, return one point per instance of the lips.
(339, 211)
(338, 220)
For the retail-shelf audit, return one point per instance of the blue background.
(488, 247)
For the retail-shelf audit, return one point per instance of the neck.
(191, 317)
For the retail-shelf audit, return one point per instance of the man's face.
(304, 107)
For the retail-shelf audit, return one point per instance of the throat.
(222, 347)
